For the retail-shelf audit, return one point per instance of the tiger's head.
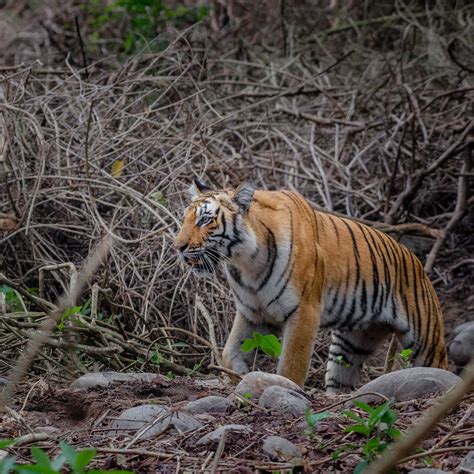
(213, 227)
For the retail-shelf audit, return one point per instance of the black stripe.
(352, 347)
(236, 240)
(382, 285)
(405, 269)
(223, 234)
(339, 312)
(290, 251)
(375, 272)
(237, 296)
(427, 313)
(350, 315)
(272, 256)
(236, 276)
(283, 288)
(417, 306)
(331, 220)
(290, 313)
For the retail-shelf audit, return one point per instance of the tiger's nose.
(180, 247)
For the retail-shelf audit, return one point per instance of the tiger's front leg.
(233, 356)
(298, 342)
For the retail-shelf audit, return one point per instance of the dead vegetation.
(365, 112)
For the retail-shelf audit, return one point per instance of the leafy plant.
(268, 344)
(405, 357)
(12, 298)
(66, 315)
(340, 359)
(378, 425)
(145, 18)
(77, 460)
(312, 419)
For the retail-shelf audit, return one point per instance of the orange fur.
(292, 270)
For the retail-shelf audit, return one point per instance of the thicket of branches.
(365, 111)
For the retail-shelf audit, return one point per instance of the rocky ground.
(149, 423)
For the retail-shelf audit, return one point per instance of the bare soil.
(83, 417)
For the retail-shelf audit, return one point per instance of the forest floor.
(347, 111)
(83, 419)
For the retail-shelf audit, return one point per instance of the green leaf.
(5, 443)
(58, 462)
(6, 465)
(371, 445)
(70, 312)
(314, 418)
(353, 416)
(270, 345)
(360, 468)
(27, 468)
(406, 353)
(390, 417)
(83, 458)
(41, 458)
(69, 452)
(361, 429)
(392, 433)
(249, 345)
(363, 406)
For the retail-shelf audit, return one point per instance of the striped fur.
(292, 270)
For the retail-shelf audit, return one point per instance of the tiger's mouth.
(203, 262)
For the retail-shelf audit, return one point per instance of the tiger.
(293, 270)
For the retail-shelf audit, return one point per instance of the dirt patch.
(83, 418)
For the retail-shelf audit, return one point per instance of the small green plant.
(156, 358)
(312, 419)
(268, 344)
(405, 357)
(13, 299)
(244, 400)
(78, 460)
(145, 19)
(67, 315)
(340, 359)
(378, 426)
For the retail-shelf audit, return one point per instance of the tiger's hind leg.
(347, 353)
(429, 348)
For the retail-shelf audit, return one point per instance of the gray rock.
(3, 381)
(467, 465)
(105, 379)
(428, 470)
(461, 348)
(217, 433)
(211, 404)
(408, 384)
(151, 420)
(280, 448)
(256, 382)
(283, 400)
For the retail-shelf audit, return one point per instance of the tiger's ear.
(197, 187)
(243, 196)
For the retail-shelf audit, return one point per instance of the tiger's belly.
(357, 310)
